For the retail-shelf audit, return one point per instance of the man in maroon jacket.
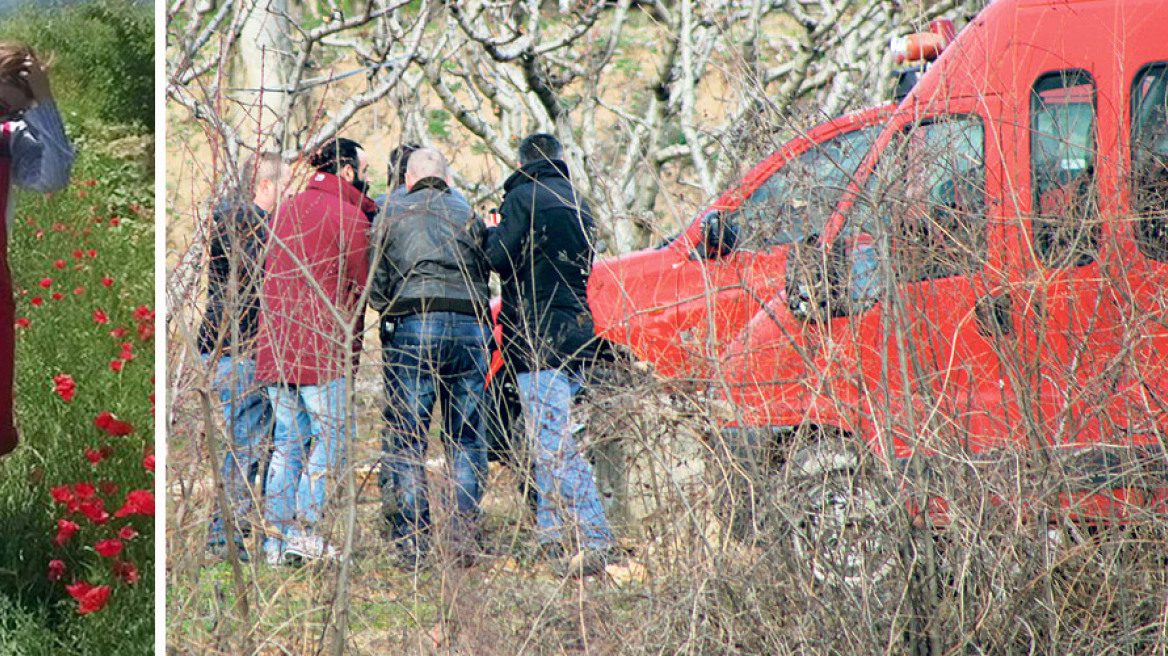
(316, 268)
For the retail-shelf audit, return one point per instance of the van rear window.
(1149, 144)
(1062, 165)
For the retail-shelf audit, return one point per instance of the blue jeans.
(248, 416)
(312, 420)
(568, 499)
(428, 353)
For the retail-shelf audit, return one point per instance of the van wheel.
(840, 519)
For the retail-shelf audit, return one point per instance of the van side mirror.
(718, 236)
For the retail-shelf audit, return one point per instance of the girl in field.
(34, 154)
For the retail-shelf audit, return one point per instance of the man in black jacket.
(430, 285)
(228, 330)
(542, 250)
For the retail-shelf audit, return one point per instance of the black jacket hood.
(537, 170)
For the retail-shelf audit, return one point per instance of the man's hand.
(493, 217)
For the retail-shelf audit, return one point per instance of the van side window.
(797, 199)
(928, 193)
(1149, 145)
(1062, 166)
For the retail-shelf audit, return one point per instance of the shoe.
(588, 562)
(310, 547)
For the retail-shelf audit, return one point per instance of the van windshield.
(797, 199)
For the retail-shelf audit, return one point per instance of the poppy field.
(77, 494)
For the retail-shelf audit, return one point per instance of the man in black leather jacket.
(430, 285)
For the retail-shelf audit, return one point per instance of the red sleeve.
(356, 251)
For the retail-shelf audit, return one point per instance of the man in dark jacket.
(314, 273)
(430, 285)
(542, 250)
(227, 334)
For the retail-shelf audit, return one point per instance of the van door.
(927, 357)
(1140, 401)
(722, 287)
(1069, 322)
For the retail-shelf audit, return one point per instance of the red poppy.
(84, 490)
(60, 264)
(148, 462)
(58, 227)
(99, 316)
(94, 510)
(23, 322)
(93, 456)
(65, 530)
(90, 183)
(115, 222)
(91, 252)
(126, 571)
(91, 598)
(127, 533)
(118, 333)
(62, 494)
(111, 425)
(46, 282)
(64, 386)
(56, 570)
(37, 301)
(138, 502)
(108, 548)
(116, 365)
(58, 296)
(145, 331)
(78, 253)
(107, 282)
(77, 291)
(40, 233)
(143, 313)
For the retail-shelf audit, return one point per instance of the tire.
(840, 516)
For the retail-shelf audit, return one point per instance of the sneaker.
(310, 547)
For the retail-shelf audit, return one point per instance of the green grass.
(103, 82)
(103, 59)
(63, 337)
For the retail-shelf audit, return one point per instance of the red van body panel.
(1023, 350)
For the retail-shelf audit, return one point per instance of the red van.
(995, 281)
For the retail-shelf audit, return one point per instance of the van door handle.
(995, 316)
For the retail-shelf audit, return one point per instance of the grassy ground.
(82, 265)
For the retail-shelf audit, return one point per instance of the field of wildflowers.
(76, 497)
